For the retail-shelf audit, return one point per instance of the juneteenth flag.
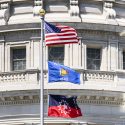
(61, 73)
(59, 34)
(62, 106)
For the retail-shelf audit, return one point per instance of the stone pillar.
(83, 55)
(66, 54)
(34, 50)
(70, 55)
(76, 57)
(8, 59)
(120, 58)
(112, 55)
(104, 65)
(2, 53)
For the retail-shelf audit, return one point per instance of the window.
(19, 59)
(56, 54)
(93, 58)
(123, 60)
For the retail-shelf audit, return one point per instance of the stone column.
(2, 54)
(83, 54)
(34, 49)
(76, 55)
(104, 65)
(112, 55)
(120, 59)
(8, 58)
(66, 54)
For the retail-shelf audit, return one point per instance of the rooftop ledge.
(4, 1)
(78, 25)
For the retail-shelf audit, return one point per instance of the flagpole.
(41, 13)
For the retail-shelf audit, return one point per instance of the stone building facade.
(99, 57)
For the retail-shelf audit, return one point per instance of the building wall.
(99, 24)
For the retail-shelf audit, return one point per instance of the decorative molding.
(5, 11)
(37, 6)
(31, 97)
(97, 75)
(108, 10)
(74, 8)
(23, 99)
(95, 97)
(20, 77)
(100, 100)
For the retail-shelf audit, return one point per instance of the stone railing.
(28, 76)
(89, 75)
(32, 76)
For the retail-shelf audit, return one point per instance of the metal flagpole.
(41, 13)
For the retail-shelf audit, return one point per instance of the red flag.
(62, 106)
(59, 34)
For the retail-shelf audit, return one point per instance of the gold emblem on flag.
(63, 72)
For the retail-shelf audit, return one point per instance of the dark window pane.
(19, 59)
(93, 58)
(19, 53)
(56, 54)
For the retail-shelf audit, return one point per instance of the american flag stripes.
(59, 34)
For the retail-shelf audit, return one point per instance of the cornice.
(77, 26)
(19, 97)
(100, 100)
(33, 97)
(95, 97)
(19, 27)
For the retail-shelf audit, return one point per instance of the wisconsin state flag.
(61, 73)
(62, 106)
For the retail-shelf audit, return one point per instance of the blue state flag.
(61, 73)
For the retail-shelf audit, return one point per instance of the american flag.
(59, 34)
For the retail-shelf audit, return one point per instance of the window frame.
(61, 61)
(11, 53)
(94, 59)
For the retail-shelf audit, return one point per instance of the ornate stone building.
(99, 57)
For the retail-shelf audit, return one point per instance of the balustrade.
(89, 75)
(32, 76)
(19, 76)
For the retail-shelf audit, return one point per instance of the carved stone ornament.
(5, 11)
(37, 6)
(74, 8)
(108, 10)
